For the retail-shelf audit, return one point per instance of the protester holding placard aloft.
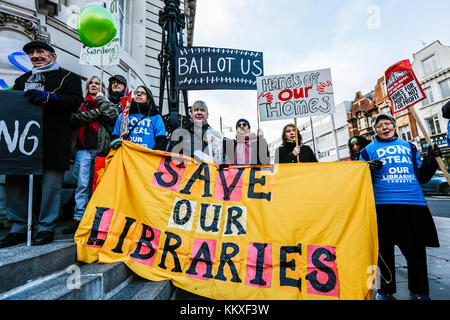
(355, 145)
(58, 92)
(403, 216)
(145, 125)
(92, 124)
(446, 115)
(289, 150)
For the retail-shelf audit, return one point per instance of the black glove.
(375, 165)
(434, 151)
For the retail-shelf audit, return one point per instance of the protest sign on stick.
(404, 90)
(203, 68)
(295, 95)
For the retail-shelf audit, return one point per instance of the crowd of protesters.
(94, 124)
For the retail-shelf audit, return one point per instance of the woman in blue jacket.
(403, 216)
(145, 125)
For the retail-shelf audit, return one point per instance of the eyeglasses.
(242, 124)
(140, 93)
(384, 124)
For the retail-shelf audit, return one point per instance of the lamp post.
(172, 22)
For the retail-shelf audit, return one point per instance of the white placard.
(295, 95)
(93, 56)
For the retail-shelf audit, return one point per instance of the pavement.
(438, 260)
(438, 264)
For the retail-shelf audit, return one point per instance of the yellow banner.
(289, 231)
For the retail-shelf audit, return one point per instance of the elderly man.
(58, 92)
(197, 139)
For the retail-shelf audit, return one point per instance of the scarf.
(37, 78)
(242, 153)
(89, 104)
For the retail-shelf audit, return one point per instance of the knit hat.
(380, 116)
(243, 120)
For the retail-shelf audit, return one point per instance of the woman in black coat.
(288, 151)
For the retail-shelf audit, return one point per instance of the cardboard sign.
(126, 104)
(402, 86)
(201, 68)
(110, 52)
(238, 233)
(295, 95)
(20, 134)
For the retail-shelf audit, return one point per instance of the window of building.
(124, 32)
(445, 88)
(386, 110)
(405, 133)
(430, 65)
(429, 96)
(361, 123)
(433, 125)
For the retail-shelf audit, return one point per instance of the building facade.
(432, 68)
(321, 138)
(55, 22)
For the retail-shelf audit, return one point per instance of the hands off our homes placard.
(237, 233)
(295, 95)
(203, 68)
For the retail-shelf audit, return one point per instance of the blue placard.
(204, 68)
(20, 134)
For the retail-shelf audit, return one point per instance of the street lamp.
(172, 22)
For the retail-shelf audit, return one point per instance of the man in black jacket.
(58, 92)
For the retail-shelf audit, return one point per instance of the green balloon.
(96, 26)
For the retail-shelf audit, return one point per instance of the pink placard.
(201, 267)
(267, 265)
(229, 175)
(329, 283)
(146, 249)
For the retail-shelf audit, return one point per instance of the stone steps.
(51, 272)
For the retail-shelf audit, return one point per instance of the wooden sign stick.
(427, 138)
(296, 137)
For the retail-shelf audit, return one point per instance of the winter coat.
(106, 120)
(284, 153)
(200, 142)
(56, 116)
(257, 145)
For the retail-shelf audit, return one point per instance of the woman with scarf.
(289, 150)
(145, 125)
(93, 124)
(249, 148)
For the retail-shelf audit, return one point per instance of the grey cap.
(380, 116)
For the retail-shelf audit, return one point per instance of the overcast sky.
(357, 39)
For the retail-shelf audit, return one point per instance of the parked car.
(437, 185)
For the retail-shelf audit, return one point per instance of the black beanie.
(243, 120)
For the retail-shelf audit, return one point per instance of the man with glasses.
(403, 216)
(248, 148)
